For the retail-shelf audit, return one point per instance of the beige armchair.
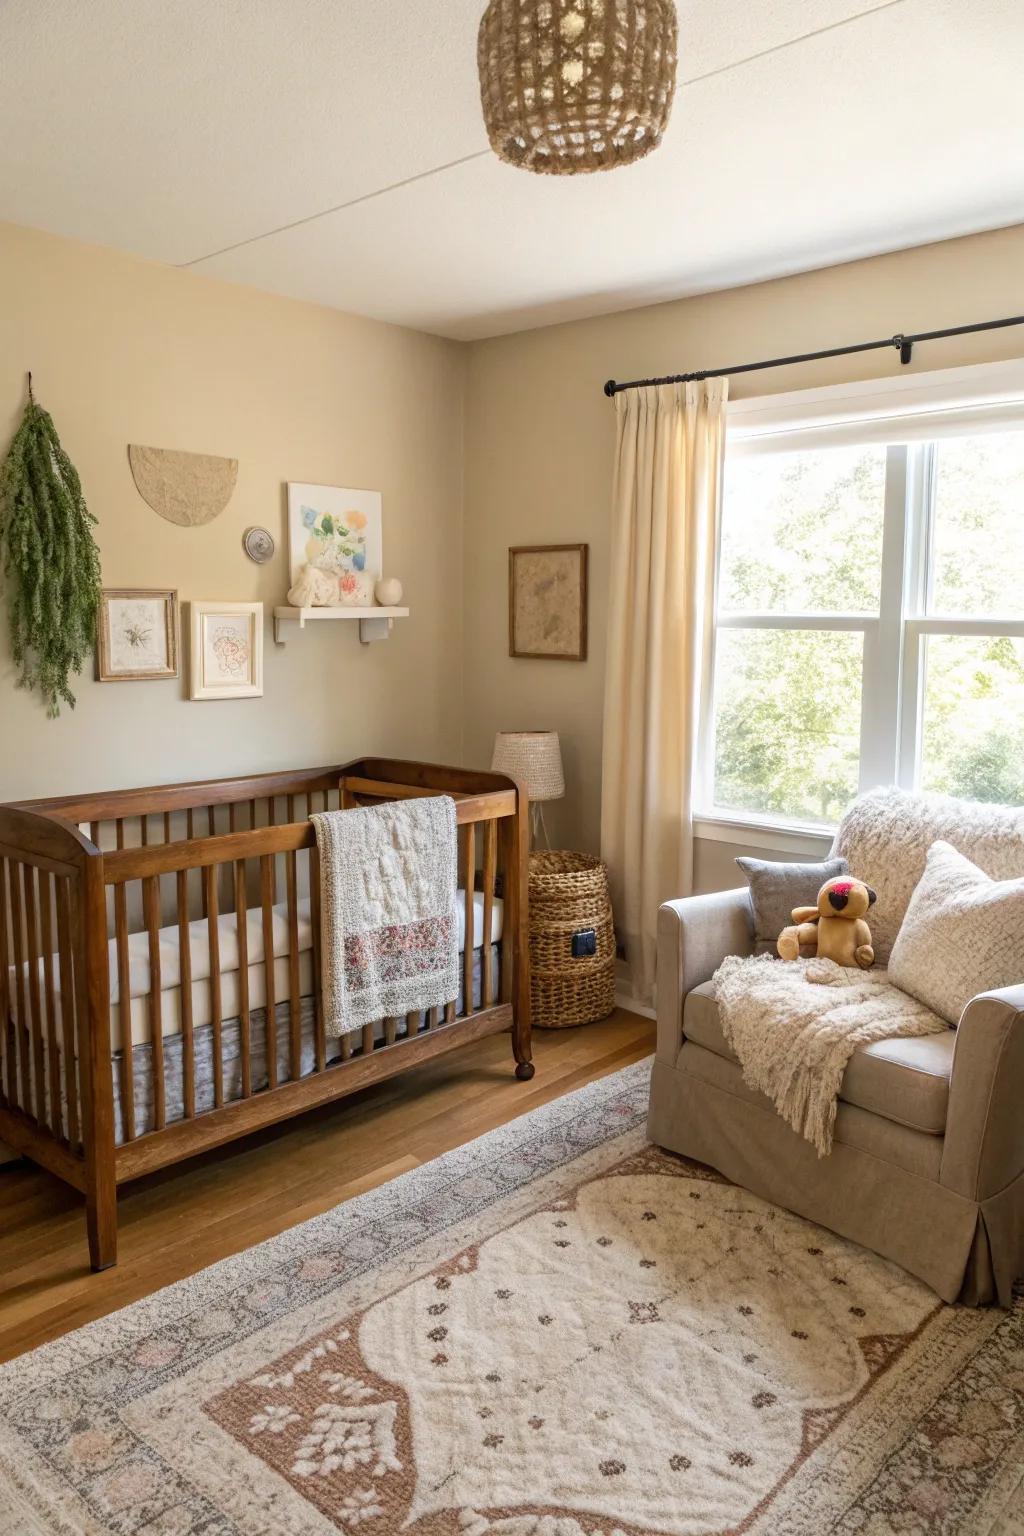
(927, 1166)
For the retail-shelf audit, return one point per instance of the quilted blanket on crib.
(388, 917)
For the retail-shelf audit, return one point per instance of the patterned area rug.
(554, 1331)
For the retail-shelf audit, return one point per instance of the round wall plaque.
(258, 545)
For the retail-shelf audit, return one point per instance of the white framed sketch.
(137, 635)
(336, 530)
(227, 650)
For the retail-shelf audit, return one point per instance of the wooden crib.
(99, 892)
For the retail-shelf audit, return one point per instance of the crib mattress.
(140, 978)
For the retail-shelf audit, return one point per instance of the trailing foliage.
(50, 559)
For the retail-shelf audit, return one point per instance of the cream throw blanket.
(795, 1024)
(388, 917)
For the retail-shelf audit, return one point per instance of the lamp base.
(538, 826)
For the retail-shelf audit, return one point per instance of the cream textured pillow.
(963, 934)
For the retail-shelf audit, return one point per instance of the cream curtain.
(668, 476)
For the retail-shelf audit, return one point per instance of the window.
(869, 621)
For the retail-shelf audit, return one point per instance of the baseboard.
(630, 1004)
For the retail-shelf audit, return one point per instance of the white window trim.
(983, 397)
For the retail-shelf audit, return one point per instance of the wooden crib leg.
(101, 1220)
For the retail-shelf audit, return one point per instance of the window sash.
(893, 681)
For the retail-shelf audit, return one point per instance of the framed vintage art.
(547, 601)
(137, 635)
(226, 659)
(335, 530)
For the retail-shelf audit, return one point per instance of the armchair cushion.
(902, 1080)
(963, 934)
(776, 888)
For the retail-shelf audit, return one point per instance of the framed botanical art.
(547, 601)
(227, 650)
(335, 530)
(137, 635)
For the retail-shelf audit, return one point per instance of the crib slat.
(124, 1010)
(151, 905)
(94, 832)
(294, 989)
(412, 1025)
(490, 871)
(144, 830)
(272, 822)
(213, 930)
(511, 917)
(367, 1039)
(35, 1005)
(449, 1013)
(68, 1008)
(119, 831)
(468, 880)
(188, 1056)
(20, 966)
(7, 1092)
(241, 921)
(167, 827)
(267, 901)
(390, 1029)
(318, 995)
(52, 1054)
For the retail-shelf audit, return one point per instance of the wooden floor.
(185, 1218)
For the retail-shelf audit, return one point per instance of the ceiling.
(333, 150)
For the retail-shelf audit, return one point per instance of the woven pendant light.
(576, 85)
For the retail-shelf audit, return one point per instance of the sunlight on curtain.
(668, 477)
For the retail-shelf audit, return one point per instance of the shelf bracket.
(374, 629)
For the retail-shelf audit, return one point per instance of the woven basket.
(569, 891)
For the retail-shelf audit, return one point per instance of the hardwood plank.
(178, 1221)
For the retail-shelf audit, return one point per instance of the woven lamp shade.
(534, 758)
(576, 85)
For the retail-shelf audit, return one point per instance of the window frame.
(957, 402)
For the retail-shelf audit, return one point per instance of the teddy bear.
(835, 929)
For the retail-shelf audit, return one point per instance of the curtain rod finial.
(609, 388)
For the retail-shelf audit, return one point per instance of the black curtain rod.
(903, 344)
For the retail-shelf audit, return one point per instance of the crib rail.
(165, 878)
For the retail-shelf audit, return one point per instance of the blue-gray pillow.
(776, 888)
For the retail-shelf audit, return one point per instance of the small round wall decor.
(258, 545)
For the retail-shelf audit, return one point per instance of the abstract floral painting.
(137, 636)
(335, 530)
(227, 650)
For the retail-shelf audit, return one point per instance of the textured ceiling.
(333, 149)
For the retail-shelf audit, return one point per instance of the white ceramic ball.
(388, 592)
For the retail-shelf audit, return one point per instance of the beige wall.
(540, 440)
(127, 351)
(123, 350)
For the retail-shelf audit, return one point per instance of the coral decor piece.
(50, 560)
(188, 489)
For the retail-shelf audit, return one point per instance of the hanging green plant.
(50, 559)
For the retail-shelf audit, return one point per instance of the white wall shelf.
(374, 623)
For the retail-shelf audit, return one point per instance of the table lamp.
(535, 759)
